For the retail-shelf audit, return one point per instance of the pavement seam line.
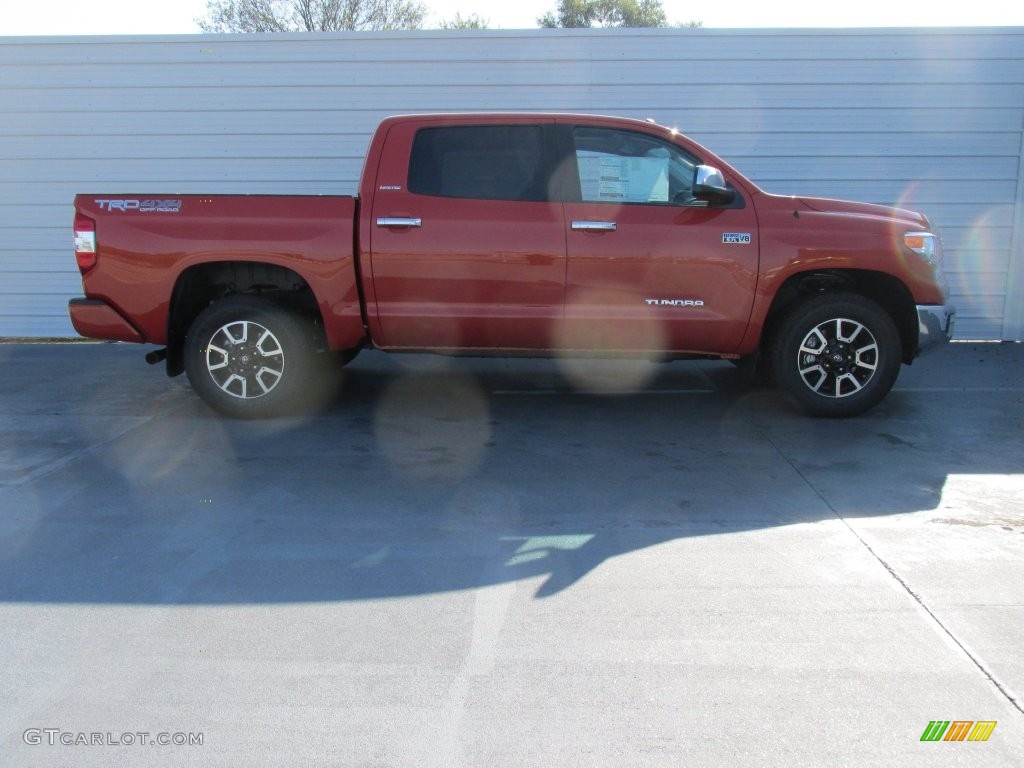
(920, 601)
(1007, 694)
(61, 463)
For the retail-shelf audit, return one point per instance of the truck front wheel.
(837, 355)
(249, 358)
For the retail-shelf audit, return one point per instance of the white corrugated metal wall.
(928, 119)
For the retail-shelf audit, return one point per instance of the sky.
(145, 17)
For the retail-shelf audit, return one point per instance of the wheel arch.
(884, 289)
(201, 284)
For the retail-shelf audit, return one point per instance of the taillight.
(85, 242)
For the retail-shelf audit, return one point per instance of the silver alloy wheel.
(245, 359)
(838, 358)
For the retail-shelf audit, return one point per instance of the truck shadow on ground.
(453, 475)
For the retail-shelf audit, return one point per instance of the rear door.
(466, 249)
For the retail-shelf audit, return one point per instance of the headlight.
(924, 244)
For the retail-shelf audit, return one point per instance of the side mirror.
(709, 186)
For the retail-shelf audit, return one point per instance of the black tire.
(249, 358)
(836, 355)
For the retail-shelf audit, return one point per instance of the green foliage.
(472, 21)
(605, 13)
(311, 15)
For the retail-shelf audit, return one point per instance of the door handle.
(398, 221)
(594, 226)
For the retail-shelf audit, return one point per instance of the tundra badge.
(674, 302)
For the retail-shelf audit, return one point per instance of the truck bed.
(146, 245)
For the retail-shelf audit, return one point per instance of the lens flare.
(434, 426)
(976, 264)
(598, 322)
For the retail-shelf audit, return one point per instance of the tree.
(310, 15)
(605, 13)
(470, 22)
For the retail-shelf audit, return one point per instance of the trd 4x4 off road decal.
(142, 206)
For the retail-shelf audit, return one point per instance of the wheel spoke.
(850, 379)
(814, 342)
(268, 336)
(267, 372)
(847, 339)
(814, 369)
(214, 350)
(226, 385)
(870, 364)
(245, 332)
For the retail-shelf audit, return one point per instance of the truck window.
(488, 162)
(617, 166)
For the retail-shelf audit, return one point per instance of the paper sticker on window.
(614, 179)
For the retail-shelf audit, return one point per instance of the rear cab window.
(482, 162)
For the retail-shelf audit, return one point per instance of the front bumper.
(935, 325)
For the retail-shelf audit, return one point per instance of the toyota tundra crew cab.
(524, 234)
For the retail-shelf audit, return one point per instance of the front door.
(650, 269)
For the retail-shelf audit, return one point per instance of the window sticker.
(615, 179)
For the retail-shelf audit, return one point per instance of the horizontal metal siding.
(927, 119)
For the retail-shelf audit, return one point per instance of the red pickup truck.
(525, 234)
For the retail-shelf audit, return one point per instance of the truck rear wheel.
(837, 355)
(249, 358)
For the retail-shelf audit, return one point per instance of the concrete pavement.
(509, 563)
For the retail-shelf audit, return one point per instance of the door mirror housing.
(709, 185)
